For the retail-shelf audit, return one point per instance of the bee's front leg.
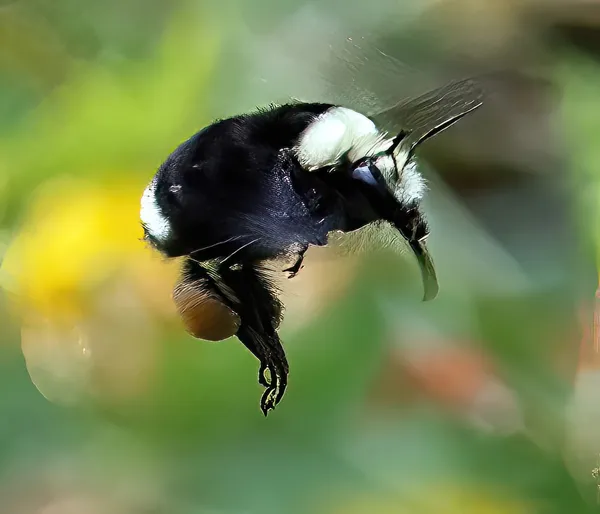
(297, 266)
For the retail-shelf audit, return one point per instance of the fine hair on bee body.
(249, 191)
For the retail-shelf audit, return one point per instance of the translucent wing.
(431, 113)
(331, 66)
(355, 71)
(360, 75)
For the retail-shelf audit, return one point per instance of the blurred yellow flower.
(102, 118)
(89, 292)
(90, 296)
(76, 236)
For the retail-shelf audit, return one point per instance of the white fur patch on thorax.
(336, 132)
(155, 222)
(340, 131)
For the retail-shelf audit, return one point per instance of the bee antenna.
(239, 249)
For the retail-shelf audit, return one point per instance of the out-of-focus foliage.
(104, 120)
(483, 401)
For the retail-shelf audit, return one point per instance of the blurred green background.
(485, 400)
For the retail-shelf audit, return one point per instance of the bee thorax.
(337, 133)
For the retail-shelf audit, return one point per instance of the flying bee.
(253, 189)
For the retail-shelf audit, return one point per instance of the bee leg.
(259, 311)
(297, 266)
(266, 347)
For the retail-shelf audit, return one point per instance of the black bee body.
(252, 189)
(237, 195)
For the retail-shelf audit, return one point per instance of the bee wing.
(427, 115)
(356, 72)
(335, 65)
(360, 75)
